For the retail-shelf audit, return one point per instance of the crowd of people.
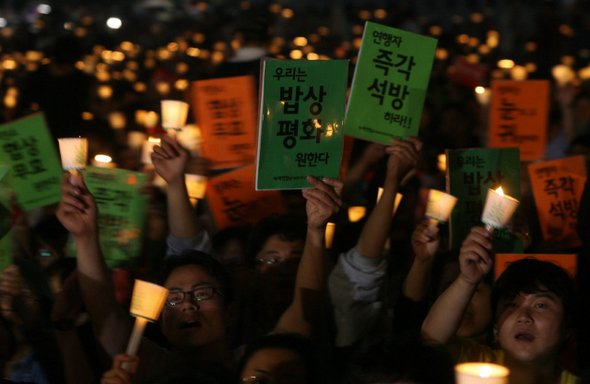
(269, 303)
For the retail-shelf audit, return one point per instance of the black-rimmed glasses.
(197, 294)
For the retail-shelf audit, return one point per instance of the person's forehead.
(188, 276)
(276, 242)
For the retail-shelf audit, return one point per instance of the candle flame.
(500, 191)
(103, 158)
(485, 370)
(154, 140)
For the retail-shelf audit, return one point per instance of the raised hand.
(323, 201)
(170, 160)
(117, 375)
(403, 157)
(77, 210)
(475, 255)
(425, 242)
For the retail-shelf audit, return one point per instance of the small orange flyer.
(234, 201)
(518, 117)
(225, 111)
(567, 261)
(557, 188)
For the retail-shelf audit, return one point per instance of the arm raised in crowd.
(78, 213)
(170, 160)
(323, 202)
(356, 280)
(446, 314)
(425, 245)
(403, 157)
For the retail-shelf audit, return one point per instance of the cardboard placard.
(122, 211)
(225, 110)
(389, 85)
(470, 173)
(519, 116)
(557, 188)
(301, 118)
(567, 262)
(28, 147)
(234, 201)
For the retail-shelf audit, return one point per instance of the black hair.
(204, 260)
(295, 342)
(66, 49)
(402, 359)
(52, 232)
(288, 227)
(531, 275)
(35, 280)
(196, 372)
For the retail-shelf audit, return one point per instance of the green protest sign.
(5, 218)
(27, 146)
(470, 173)
(122, 209)
(301, 116)
(389, 84)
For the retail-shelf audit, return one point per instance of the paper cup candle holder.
(174, 114)
(481, 373)
(74, 154)
(498, 209)
(146, 304)
(439, 207)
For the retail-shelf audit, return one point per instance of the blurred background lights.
(44, 9)
(505, 63)
(3, 22)
(114, 23)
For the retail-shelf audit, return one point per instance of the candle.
(439, 207)
(74, 153)
(146, 304)
(356, 213)
(481, 373)
(147, 149)
(103, 161)
(498, 209)
(174, 114)
(330, 229)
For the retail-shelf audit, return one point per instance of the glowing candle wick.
(500, 191)
(485, 370)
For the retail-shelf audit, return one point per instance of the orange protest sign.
(567, 262)
(557, 188)
(234, 201)
(225, 110)
(518, 117)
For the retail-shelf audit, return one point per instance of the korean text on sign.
(29, 149)
(557, 188)
(122, 210)
(518, 117)
(301, 117)
(471, 172)
(234, 202)
(390, 83)
(225, 111)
